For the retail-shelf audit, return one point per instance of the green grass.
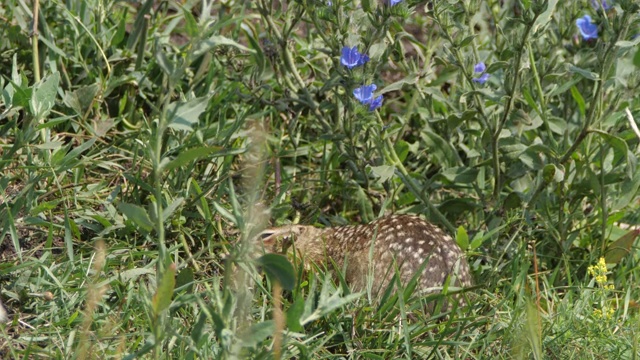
(143, 145)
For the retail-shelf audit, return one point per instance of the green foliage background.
(144, 144)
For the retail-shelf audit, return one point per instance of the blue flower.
(482, 79)
(588, 30)
(364, 94)
(375, 103)
(480, 68)
(394, 2)
(352, 58)
(605, 4)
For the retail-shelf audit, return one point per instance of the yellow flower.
(599, 271)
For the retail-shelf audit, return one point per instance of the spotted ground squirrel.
(372, 249)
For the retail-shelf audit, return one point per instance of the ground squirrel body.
(406, 240)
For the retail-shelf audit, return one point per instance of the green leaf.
(627, 44)
(169, 210)
(191, 24)
(579, 100)
(462, 238)
(636, 58)
(402, 149)
(384, 172)
(51, 145)
(81, 99)
(45, 94)
(620, 248)
(545, 17)
(410, 79)
(121, 30)
(439, 148)
(582, 72)
(71, 158)
(217, 40)
(628, 192)
(133, 274)
(185, 157)
(252, 336)
(164, 293)
(552, 173)
(460, 175)
(44, 206)
(279, 269)
(184, 115)
(185, 278)
(137, 215)
(466, 41)
(294, 313)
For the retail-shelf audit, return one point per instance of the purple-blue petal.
(482, 79)
(588, 30)
(375, 103)
(364, 58)
(351, 57)
(479, 67)
(364, 93)
(605, 5)
(394, 2)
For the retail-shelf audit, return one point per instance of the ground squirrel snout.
(407, 240)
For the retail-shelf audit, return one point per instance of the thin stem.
(34, 42)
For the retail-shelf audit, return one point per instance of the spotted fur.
(404, 240)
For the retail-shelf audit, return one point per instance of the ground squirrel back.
(407, 239)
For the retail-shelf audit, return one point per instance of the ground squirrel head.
(281, 239)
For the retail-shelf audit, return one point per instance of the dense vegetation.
(145, 144)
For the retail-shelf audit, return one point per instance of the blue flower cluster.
(596, 4)
(588, 30)
(480, 68)
(351, 58)
(364, 94)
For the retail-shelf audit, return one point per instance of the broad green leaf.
(169, 210)
(545, 17)
(137, 215)
(620, 248)
(184, 115)
(294, 313)
(579, 100)
(191, 24)
(185, 157)
(402, 149)
(396, 86)
(51, 145)
(44, 95)
(582, 72)
(256, 333)
(133, 274)
(81, 99)
(185, 278)
(384, 172)
(164, 293)
(279, 269)
(462, 238)
(215, 41)
(460, 175)
(439, 148)
(553, 173)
